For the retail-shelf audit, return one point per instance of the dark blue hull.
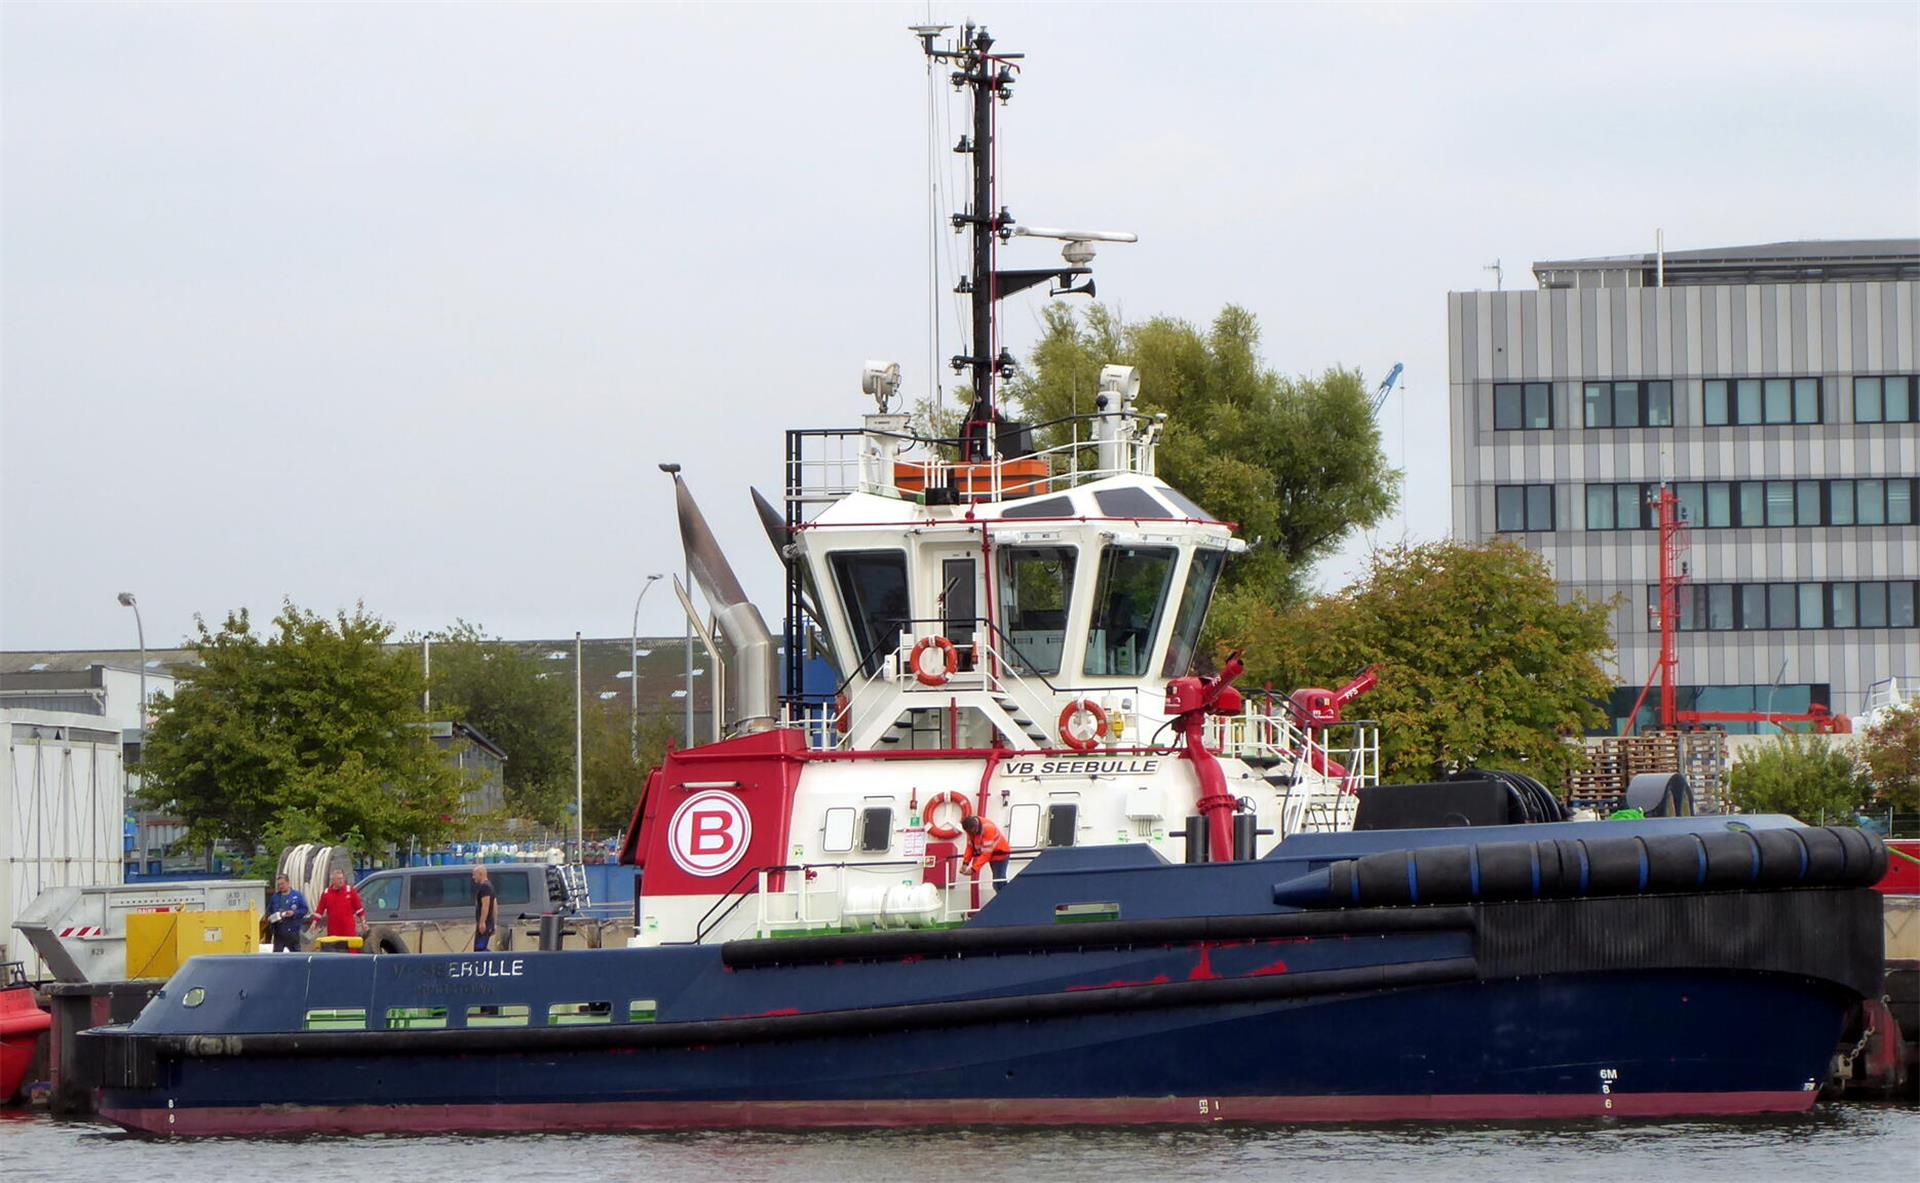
(1545, 1047)
(1680, 1004)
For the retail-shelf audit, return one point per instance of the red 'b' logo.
(709, 833)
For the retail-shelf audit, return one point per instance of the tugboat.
(1201, 924)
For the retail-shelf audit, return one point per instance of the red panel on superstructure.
(1903, 868)
(759, 772)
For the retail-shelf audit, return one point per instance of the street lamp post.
(673, 472)
(127, 601)
(633, 664)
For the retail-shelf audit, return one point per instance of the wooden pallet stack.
(1597, 784)
(1612, 763)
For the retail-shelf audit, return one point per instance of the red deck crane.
(1665, 616)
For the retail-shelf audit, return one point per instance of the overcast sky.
(404, 304)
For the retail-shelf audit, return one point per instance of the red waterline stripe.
(518, 1116)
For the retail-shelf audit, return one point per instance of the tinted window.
(1598, 401)
(1192, 613)
(1061, 821)
(510, 887)
(1506, 407)
(1185, 506)
(1046, 507)
(876, 829)
(873, 589)
(1659, 404)
(441, 891)
(1716, 403)
(1128, 599)
(1130, 503)
(1539, 408)
(1806, 400)
(1036, 587)
(382, 894)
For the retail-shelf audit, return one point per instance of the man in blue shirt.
(286, 914)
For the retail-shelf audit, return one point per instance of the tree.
(1806, 776)
(317, 720)
(1295, 462)
(1479, 662)
(1891, 751)
(499, 690)
(612, 776)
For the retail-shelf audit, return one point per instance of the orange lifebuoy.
(842, 720)
(949, 660)
(1070, 713)
(936, 829)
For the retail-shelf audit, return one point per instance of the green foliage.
(1296, 462)
(1479, 661)
(1890, 749)
(612, 775)
(498, 690)
(1806, 776)
(310, 733)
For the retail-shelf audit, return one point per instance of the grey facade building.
(1777, 388)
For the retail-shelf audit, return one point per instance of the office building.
(1778, 388)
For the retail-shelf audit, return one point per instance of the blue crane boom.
(1386, 388)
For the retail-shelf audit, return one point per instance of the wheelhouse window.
(1128, 599)
(873, 589)
(1036, 588)
(1202, 574)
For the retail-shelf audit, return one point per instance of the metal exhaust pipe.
(739, 620)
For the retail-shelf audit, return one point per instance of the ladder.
(574, 875)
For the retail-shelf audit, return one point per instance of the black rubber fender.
(1383, 878)
(1675, 862)
(1444, 873)
(384, 940)
(1866, 855)
(1506, 871)
(1614, 867)
(1733, 858)
(1783, 857)
(1826, 855)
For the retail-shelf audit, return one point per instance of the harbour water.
(1853, 1142)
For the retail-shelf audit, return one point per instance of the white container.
(80, 933)
(62, 813)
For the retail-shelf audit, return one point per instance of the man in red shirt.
(340, 905)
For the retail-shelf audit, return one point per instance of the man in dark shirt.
(286, 916)
(485, 910)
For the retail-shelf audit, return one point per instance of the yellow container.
(159, 943)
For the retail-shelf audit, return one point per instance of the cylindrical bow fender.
(1723, 860)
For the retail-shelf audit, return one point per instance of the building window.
(1753, 402)
(1719, 607)
(1522, 406)
(1518, 508)
(1887, 399)
(1627, 404)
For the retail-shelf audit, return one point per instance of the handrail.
(701, 929)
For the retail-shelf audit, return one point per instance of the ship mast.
(986, 76)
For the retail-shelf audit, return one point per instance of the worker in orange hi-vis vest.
(987, 846)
